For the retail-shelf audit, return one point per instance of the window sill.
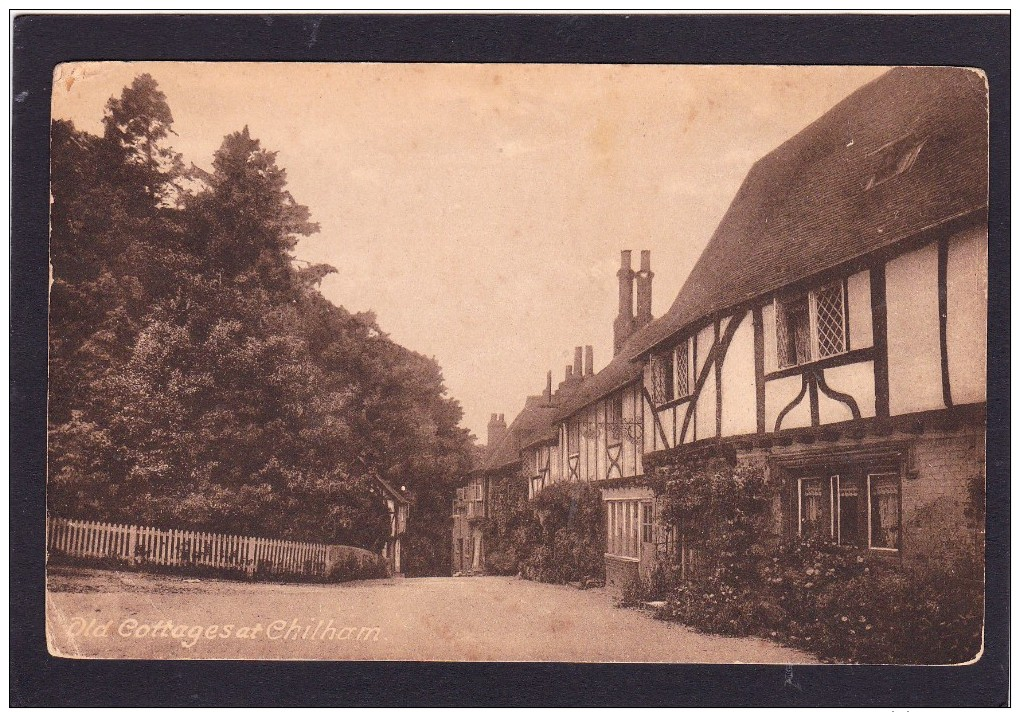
(675, 402)
(845, 358)
(620, 557)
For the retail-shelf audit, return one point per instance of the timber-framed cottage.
(833, 330)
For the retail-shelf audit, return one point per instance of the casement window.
(682, 360)
(647, 522)
(625, 522)
(672, 373)
(574, 437)
(811, 325)
(858, 509)
(662, 378)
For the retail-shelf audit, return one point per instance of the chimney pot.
(589, 361)
(496, 429)
(623, 326)
(569, 372)
(577, 362)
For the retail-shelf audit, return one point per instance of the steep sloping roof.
(533, 421)
(392, 491)
(617, 373)
(808, 206)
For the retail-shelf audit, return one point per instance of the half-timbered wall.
(608, 448)
(904, 335)
(967, 297)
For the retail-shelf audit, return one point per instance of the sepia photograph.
(579, 363)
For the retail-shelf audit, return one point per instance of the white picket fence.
(175, 548)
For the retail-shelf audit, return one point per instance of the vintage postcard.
(517, 362)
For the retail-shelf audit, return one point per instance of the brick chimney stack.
(578, 373)
(624, 323)
(644, 290)
(496, 429)
(548, 387)
(589, 361)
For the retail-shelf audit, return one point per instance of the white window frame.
(647, 524)
(835, 512)
(658, 364)
(899, 504)
(624, 528)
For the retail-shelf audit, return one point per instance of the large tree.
(199, 378)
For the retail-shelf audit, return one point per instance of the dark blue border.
(42, 41)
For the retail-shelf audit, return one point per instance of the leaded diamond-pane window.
(811, 325)
(829, 320)
(683, 371)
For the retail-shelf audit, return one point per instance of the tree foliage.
(197, 376)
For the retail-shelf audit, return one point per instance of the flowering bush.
(843, 604)
(511, 531)
(557, 537)
(838, 603)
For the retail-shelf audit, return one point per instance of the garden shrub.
(845, 605)
(557, 537)
(511, 531)
(356, 568)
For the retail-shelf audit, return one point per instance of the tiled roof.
(617, 373)
(534, 421)
(807, 207)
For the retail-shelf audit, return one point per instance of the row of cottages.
(502, 457)
(833, 331)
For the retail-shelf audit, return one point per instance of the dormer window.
(811, 325)
(893, 159)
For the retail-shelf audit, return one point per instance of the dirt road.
(128, 615)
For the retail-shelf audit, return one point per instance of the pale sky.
(480, 210)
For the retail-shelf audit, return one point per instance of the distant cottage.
(832, 330)
(399, 506)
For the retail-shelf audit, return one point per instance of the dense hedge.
(842, 604)
(557, 537)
